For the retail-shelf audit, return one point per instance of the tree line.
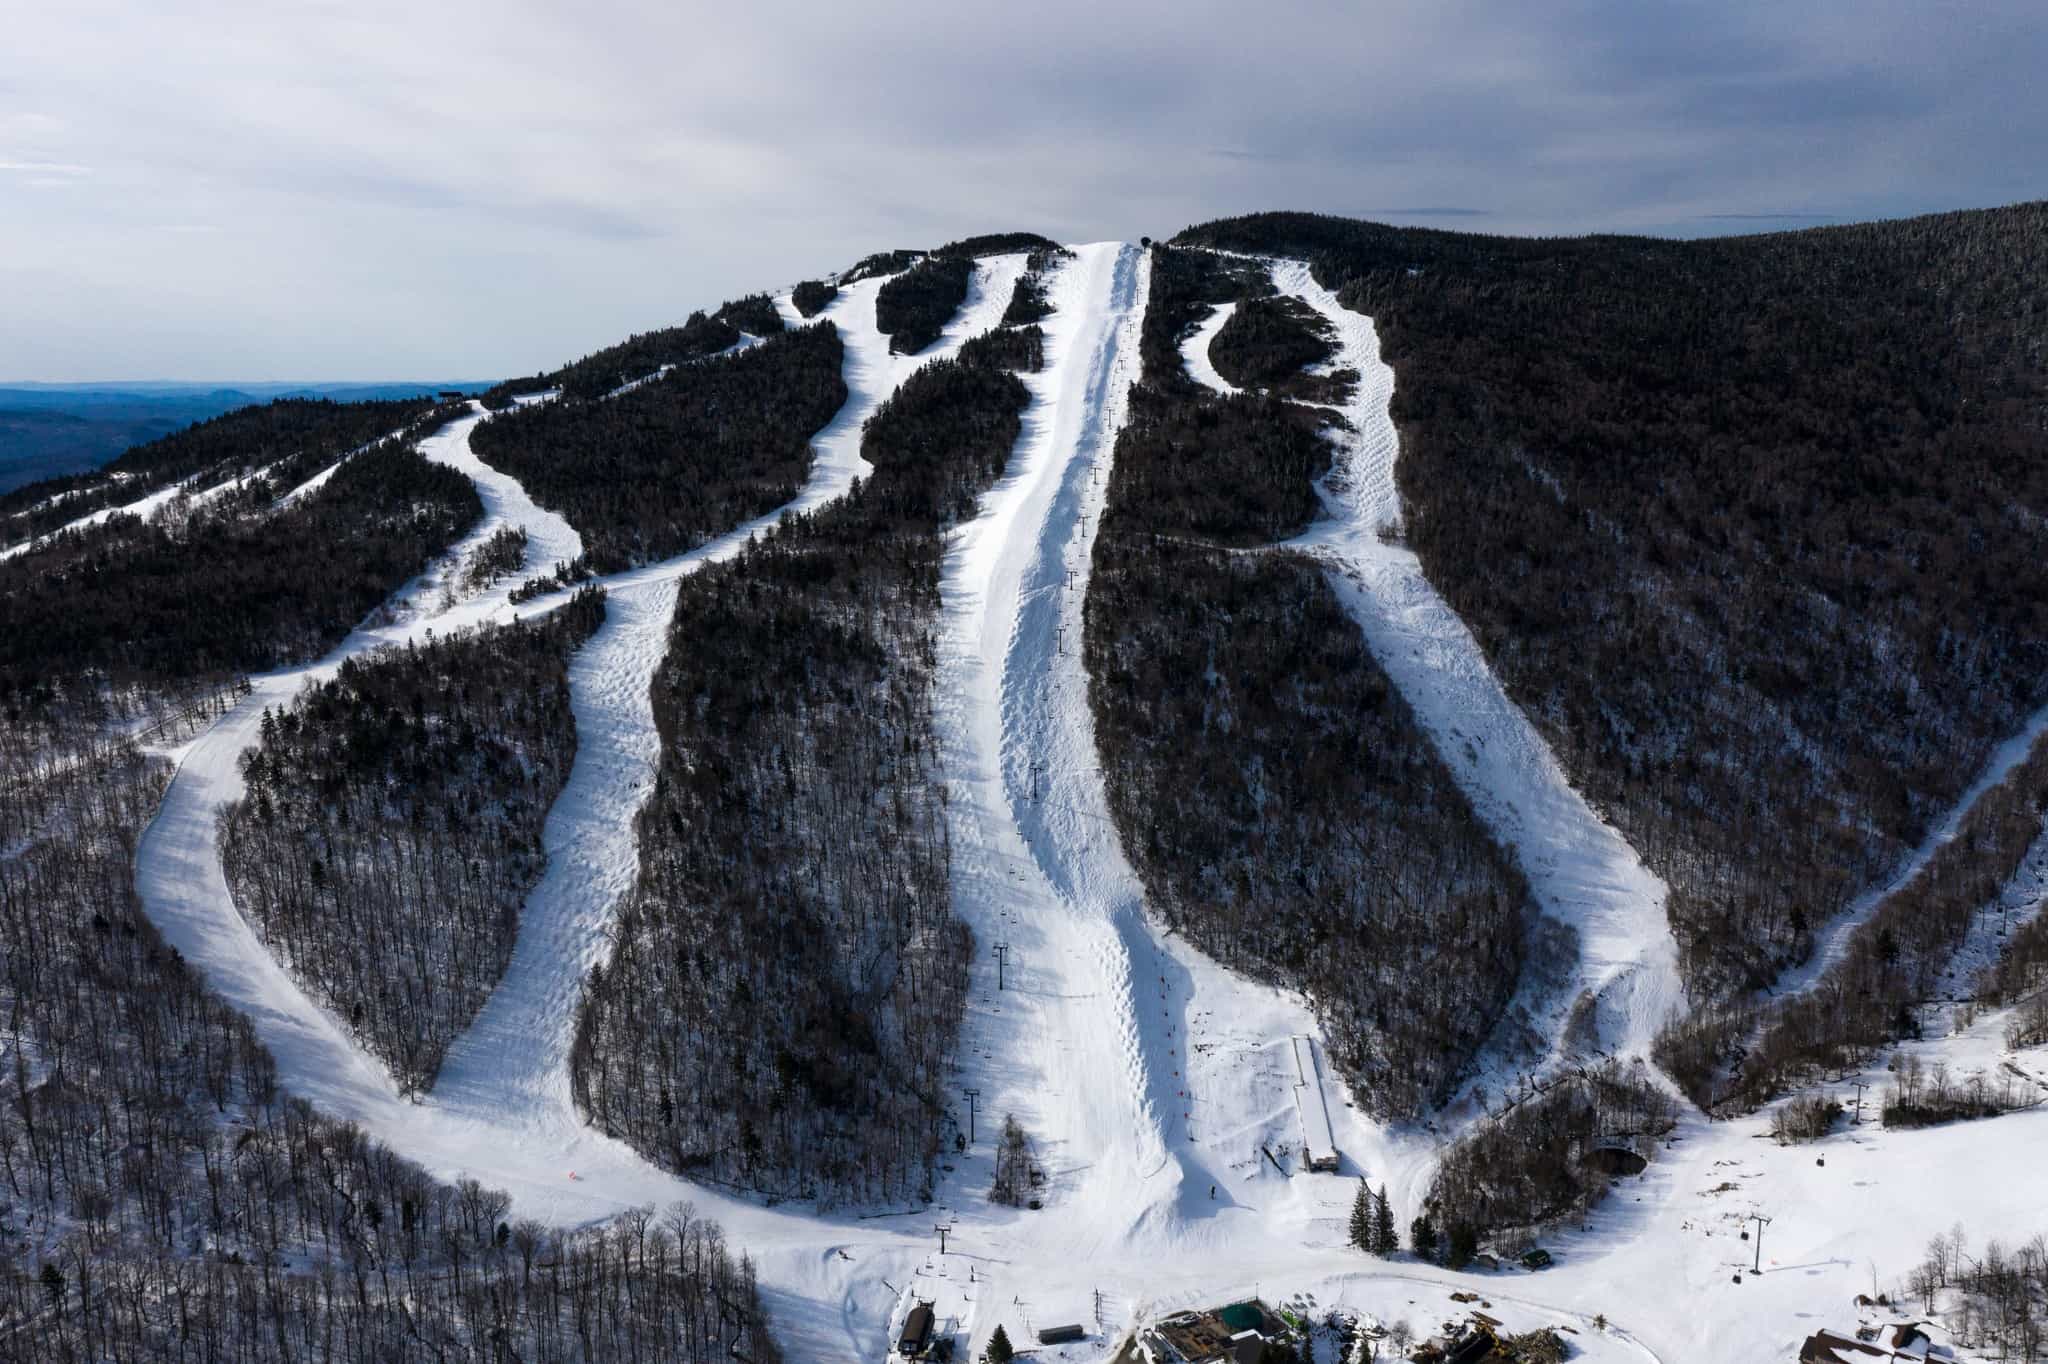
(1742, 524)
(659, 470)
(787, 980)
(391, 828)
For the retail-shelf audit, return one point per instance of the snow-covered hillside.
(1170, 1104)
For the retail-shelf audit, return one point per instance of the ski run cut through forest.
(1129, 1109)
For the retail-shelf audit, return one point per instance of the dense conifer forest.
(308, 432)
(791, 947)
(640, 355)
(392, 826)
(912, 308)
(121, 604)
(160, 1197)
(813, 296)
(1269, 343)
(660, 469)
(1270, 786)
(1746, 525)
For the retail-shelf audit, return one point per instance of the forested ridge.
(644, 353)
(791, 949)
(161, 1198)
(1748, 526)
(661, 469)
(309, 432)
(1271, 787)
(392, 826)
(121, 605)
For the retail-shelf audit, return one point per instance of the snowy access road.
(1834, 944)
(501, 1111)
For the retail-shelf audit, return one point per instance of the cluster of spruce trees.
(786, 984)
(392, 826)
(638, 356)
(659, 470)
(1272, 789)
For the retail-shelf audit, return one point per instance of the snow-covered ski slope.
(1163, 1095)
(1583, 873)
(501, 1111)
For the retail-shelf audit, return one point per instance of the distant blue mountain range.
(52, 429)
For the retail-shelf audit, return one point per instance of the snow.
(1835, 944)
(144, 507)
(1582, 872)
(1194, 351)
(1312, 1101)
(1163, 1095)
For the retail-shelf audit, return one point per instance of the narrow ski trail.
(1584, 875)
(513, 1059)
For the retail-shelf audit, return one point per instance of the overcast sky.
(444, 190)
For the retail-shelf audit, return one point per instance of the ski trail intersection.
(1152, 1082)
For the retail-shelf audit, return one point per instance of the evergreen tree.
(1000, 1351)
(1385, 1240)
(1422, 1236)
(1361, 1216)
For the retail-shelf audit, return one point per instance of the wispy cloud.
(516, 183)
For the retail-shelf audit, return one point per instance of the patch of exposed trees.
(912, 308)
(1271, 787)
(677, 461)
(813, 296)
(1995, 1300)
(392, 826)
(169, 603)
(788, 976)
(161, 1198)
(1269, 343)
(1748, 527)
(1535, 1164)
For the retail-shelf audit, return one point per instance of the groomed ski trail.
(1583, 874)
(514, 1058)
(501, 1112)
